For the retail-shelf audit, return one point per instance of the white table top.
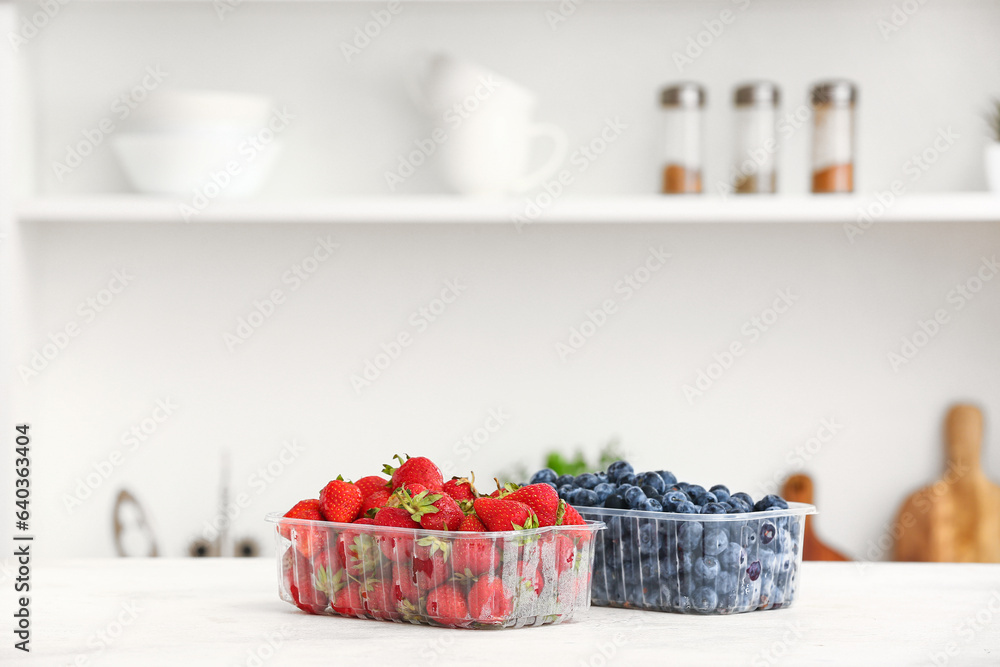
(223, 611)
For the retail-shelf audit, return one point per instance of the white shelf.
(955, 207)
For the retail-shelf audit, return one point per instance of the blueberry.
(586, 498)
(767, 532)
(687, 507)
(706, 569)
(618, 469)
(716, 541)
(726, 584)
(627, 479)
(634, 497)
(705, 599)
(667, 477)
(749, 538)
(675, 497)
(753, 571)
(648, 538)
(770, 501)
(649, 491)
(721, 492)
(651, 505)
(694, 490)
(745, 497)
(587, 480)
(713, 508)
(720, 486)
(689, 535)
(703, 498)
(565, 480)
(544, 475)
(739, 505)
(602, 476)
(682, 486)
(734, 557)
(565, 490)
(550, 484)
(603, 490)
(615, 501)
(653, 480)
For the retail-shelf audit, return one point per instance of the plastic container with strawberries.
(507, 579)
(417, 548)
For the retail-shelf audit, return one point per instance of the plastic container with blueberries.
(697, 563)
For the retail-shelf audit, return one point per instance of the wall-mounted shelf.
(953, 207)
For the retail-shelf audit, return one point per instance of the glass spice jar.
(683, 110)
(833, 136)
(755, 168)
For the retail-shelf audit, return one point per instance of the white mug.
(487, 126)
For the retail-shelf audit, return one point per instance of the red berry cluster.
(386, 564)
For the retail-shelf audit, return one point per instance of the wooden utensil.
(799, 489)
(956, 519)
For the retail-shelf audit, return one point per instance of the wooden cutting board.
(956, 519)
(799, 489)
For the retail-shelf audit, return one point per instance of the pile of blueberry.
(656, 491)
(710, 565)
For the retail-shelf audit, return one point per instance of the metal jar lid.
(757, 94)
(688, 95)
(837, 93)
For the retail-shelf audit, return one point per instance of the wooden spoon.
(799, 489)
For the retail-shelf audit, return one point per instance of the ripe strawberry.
(405, 581)
(376, 500)
(503, 489)
(502, 514)
(460, 488)
(565, 553)
(446, 514)
(348, 600)
(307, 539)
(488, 602)
(308, 591)
(430, 563)
(371, 484)
(471, 523)
(397, 548)
(340, 501)
(358, 552)
(364, 520)
(446, 605)
(381, 598)
(540, 497)
(471, 557)
(567, 515)
(420, 469)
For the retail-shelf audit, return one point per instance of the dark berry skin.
(603, 490)
(619, 469)
(767, 533)
(668, 477)
(651, 505)
(753, 571)
(586, 498)
(652, 480)
(687, 507)
(544, 475)
(713, 508)
(566, 480)
(649, 491)
(745, 497)
(627, 479)
(770, 501)
(587, 480)
(614, 501)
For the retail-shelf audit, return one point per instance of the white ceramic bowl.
(196, 110)
(182, 163)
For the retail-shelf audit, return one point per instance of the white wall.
(495, 346)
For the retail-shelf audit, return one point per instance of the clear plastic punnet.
(697, 563)
(472, 580)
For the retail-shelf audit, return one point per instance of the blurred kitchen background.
(155, 375)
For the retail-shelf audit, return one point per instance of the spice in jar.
(683, 108)
(755, 169)
(833, 136)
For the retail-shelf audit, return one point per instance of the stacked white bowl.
(178, 142)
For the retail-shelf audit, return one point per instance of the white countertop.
(224, 611)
